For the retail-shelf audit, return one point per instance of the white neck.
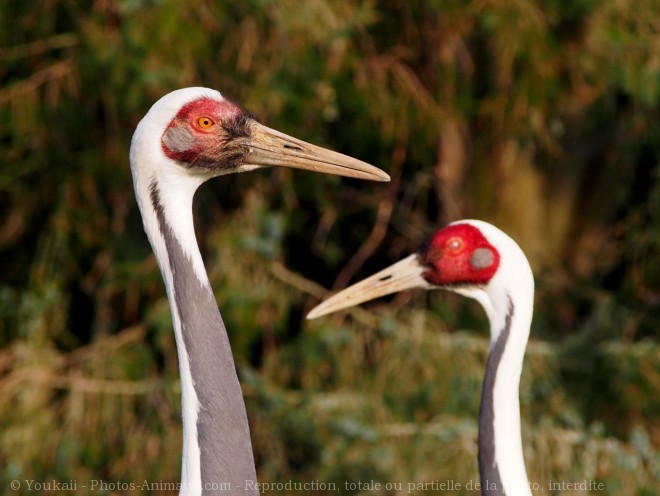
(216, 440)
(508, 300)
(176, 193)
(503, 375)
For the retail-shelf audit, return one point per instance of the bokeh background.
(538, 116)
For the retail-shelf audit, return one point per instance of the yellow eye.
(205, 122)
(454, 244)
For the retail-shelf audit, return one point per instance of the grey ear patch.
(482, 258)
(178, 139)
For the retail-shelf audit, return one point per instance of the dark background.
(539, 117)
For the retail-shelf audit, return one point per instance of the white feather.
(514, 280)
(176, 187)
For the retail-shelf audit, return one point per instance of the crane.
(477, 260)
(187, 137)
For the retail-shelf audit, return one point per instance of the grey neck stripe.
(223, 433)
(491, 482)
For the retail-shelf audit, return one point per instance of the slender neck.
(501, 462)
(217, 452)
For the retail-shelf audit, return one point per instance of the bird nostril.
(293, 147)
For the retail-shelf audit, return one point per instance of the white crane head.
(193, 134)
(197, 132)
(469, 257)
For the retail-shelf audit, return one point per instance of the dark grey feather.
(482, 258)
(178, 138)
(222, 426)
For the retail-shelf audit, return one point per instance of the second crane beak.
(268, 147)
(405, 274)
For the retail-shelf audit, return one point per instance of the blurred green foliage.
(540, 117)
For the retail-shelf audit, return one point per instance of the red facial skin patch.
(448, 256)
(203, 131)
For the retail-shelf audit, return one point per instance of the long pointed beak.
(269, 147)
(405, 274)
